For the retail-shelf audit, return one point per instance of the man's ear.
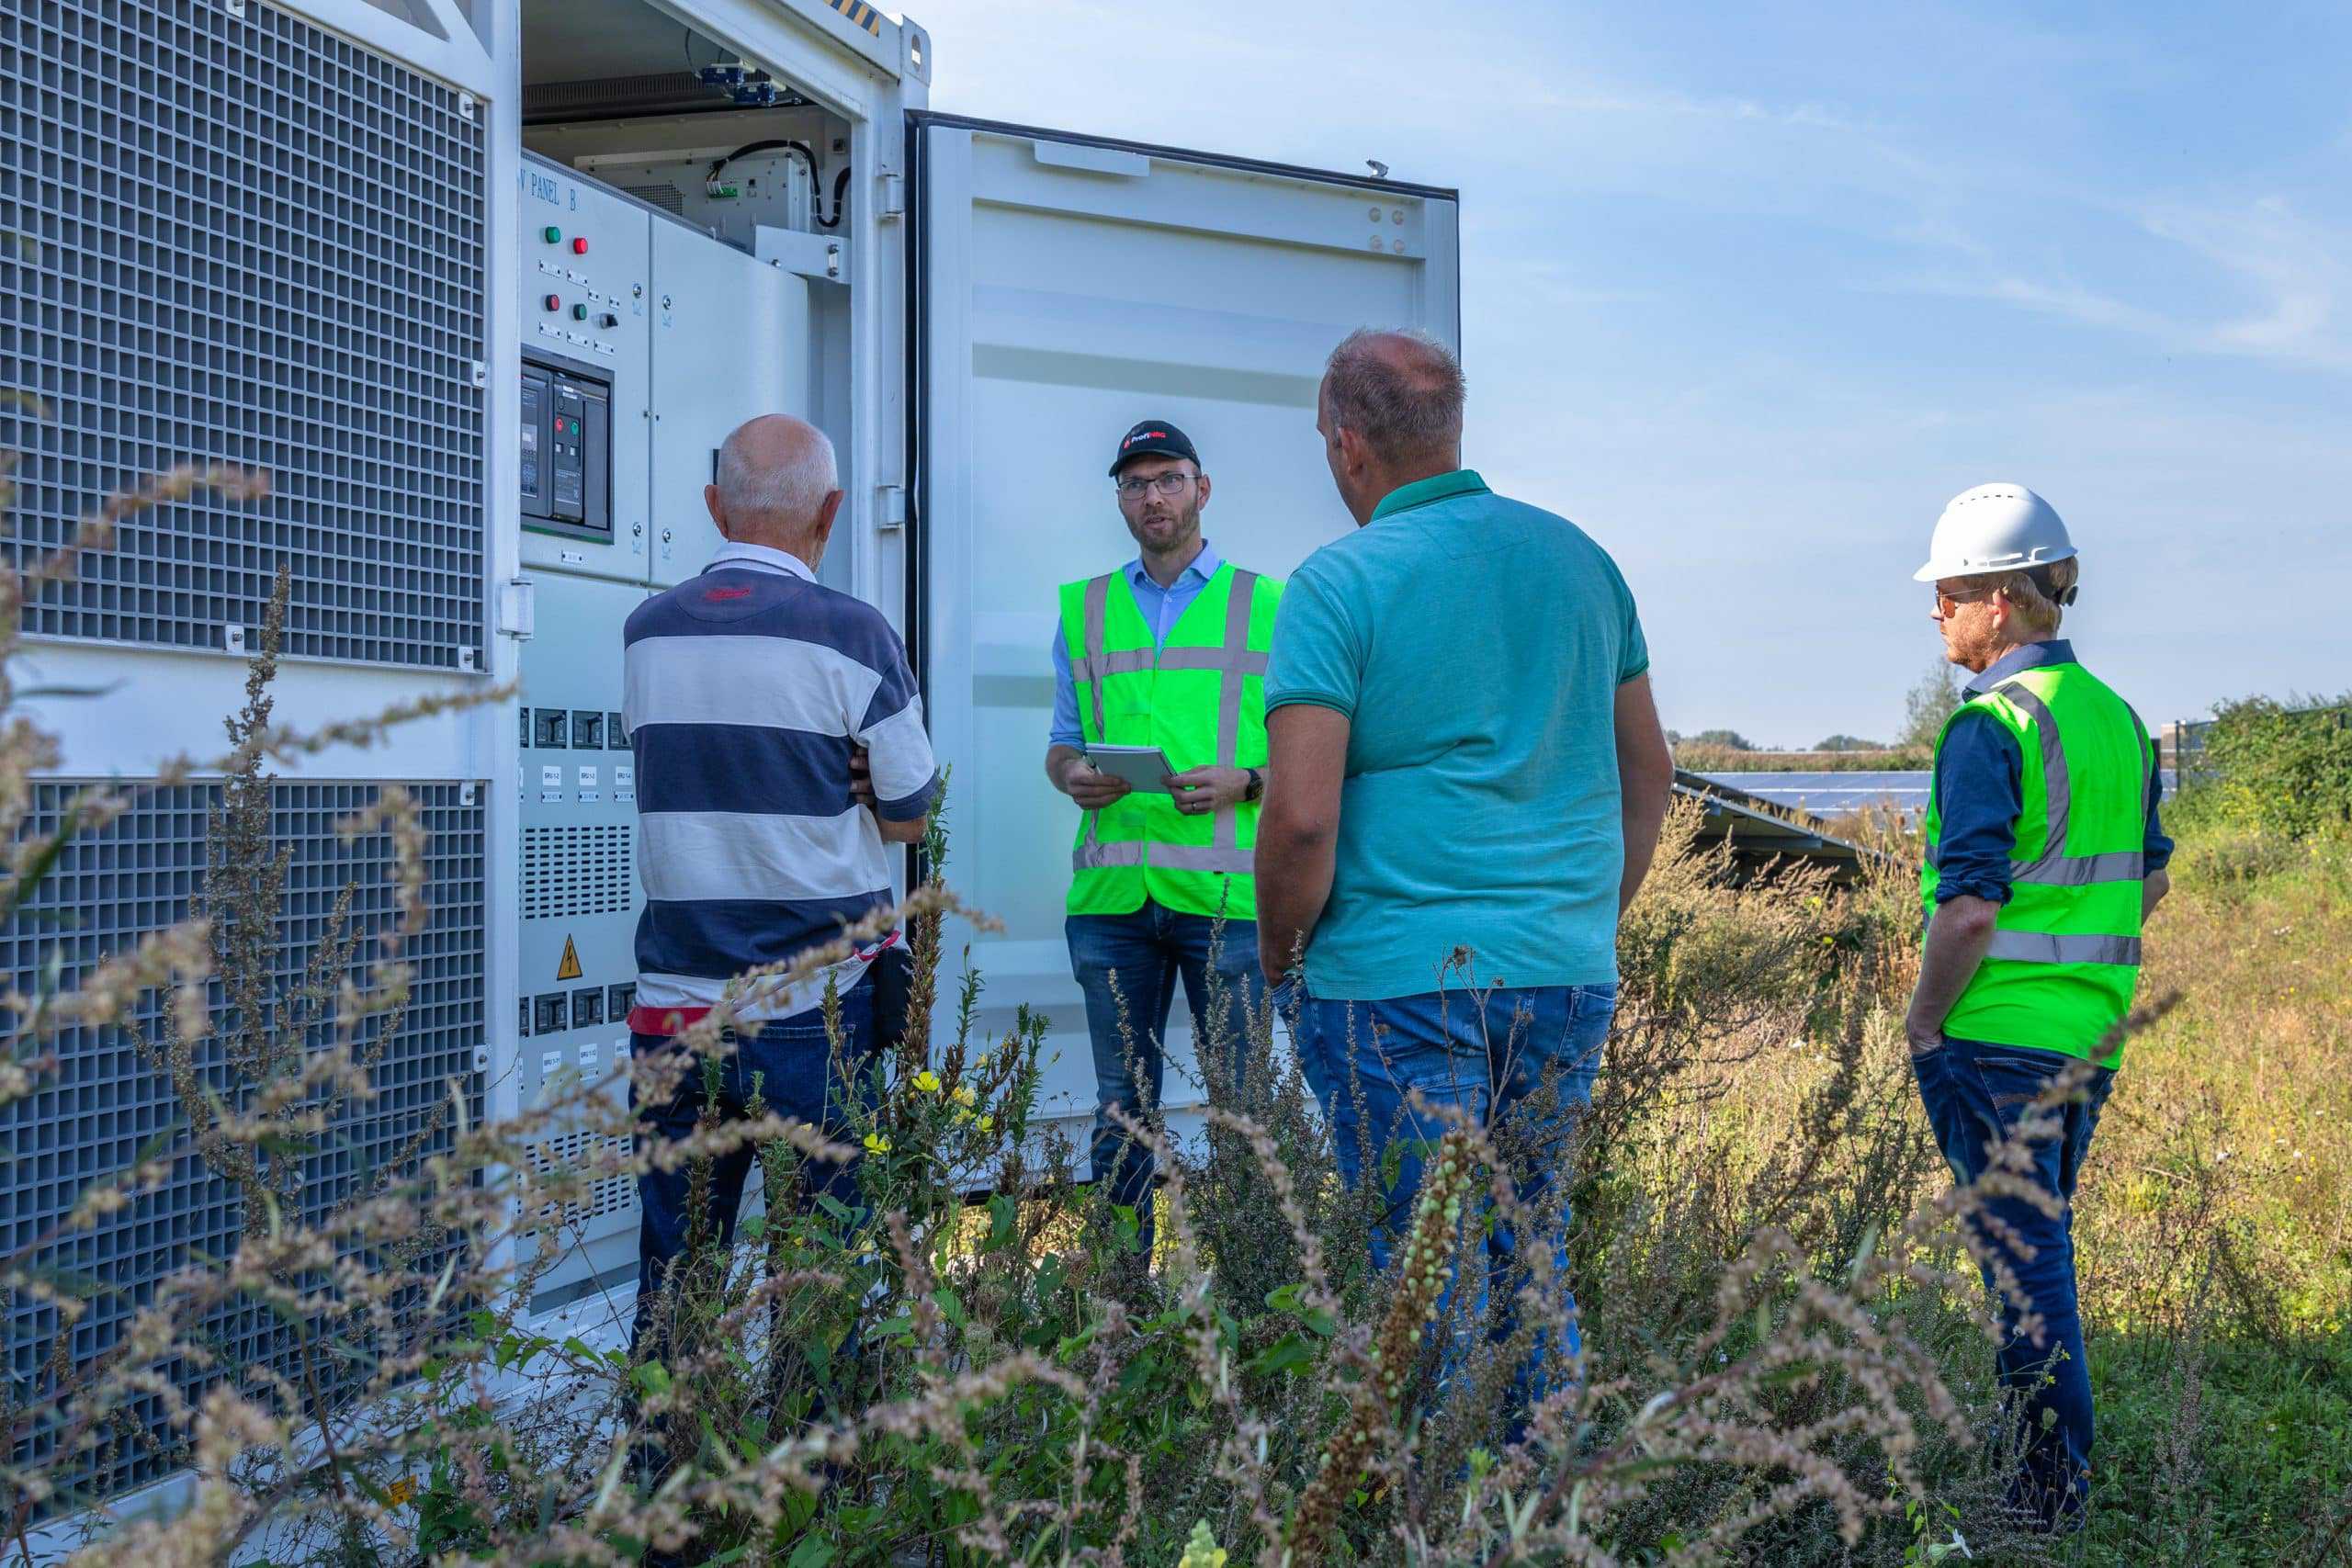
(718, 513)
(1203, 498)
(1352, 449)
(829, 508)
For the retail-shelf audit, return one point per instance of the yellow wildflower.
(927, 1081)
(1202, 1551)
(964, 1095)
(876, 1143)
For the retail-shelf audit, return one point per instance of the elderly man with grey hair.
(780, 748)
(1466, 783)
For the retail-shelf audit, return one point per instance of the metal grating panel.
(579, 871)
(239, 239)
(91, 1118)
(609, 1196)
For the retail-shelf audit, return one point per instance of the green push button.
(552, 234)
(580, 312)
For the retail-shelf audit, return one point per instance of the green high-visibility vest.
(2065, 952)
(1201, 698)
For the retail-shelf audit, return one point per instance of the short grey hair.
(787, 492)
(1404, 405)
(2041, 610)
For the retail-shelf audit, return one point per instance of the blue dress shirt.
(1161, 608)
(1979, 789)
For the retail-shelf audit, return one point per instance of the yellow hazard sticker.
(570, 968)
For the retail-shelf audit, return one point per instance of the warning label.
(570, 968)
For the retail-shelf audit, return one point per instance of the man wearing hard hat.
(2045, 856)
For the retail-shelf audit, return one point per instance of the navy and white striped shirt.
(746, 690)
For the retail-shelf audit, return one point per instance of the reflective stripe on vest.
(2040, 947)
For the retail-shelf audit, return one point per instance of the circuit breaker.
(566, 438)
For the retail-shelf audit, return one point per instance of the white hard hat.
(1995, 529)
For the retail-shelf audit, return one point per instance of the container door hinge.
(518, 608)
(889, 506)
(891, 196)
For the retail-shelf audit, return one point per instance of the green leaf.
(951, 1306)
(1004, 1217)
(1287, 1354)
(652, 1377)
(836, 1207)
(814, 1551)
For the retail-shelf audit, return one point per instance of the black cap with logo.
(1155, 438)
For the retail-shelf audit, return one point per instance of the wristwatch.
(1256, 790)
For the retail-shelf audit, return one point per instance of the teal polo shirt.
(1476, 645)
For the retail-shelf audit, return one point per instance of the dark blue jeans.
(798, 1075)
(1975, 1094)
(1127, 966)
(1486, 1053)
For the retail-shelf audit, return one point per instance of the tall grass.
(1788, 1349)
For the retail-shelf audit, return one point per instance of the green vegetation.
(1787, 1355)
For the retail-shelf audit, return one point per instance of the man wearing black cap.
(1168, 652)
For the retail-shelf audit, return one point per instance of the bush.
(2280, 769)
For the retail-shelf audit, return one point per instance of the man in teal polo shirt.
(1466, 783)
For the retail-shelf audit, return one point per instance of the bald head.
(1390, 411)
(777, 486)
(1402, 392)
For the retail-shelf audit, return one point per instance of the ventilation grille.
(91, 1118)
(241, 240)
(570, 1151)
(668, 197)
(579, 871)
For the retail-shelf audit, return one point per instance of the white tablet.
(1144, 767)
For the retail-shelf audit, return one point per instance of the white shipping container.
(975, 311)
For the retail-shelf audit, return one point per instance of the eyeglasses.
(1170, 484)
(1948, 602)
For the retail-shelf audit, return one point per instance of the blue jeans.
(1975, 1094)
(799, 1075)
(1145, 954)
(1484, 1053)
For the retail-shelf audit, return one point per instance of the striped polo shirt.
(745, 690)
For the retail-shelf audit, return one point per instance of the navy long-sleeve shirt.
(1980, 790)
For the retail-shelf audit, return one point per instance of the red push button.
(553, 301)
(579, 247)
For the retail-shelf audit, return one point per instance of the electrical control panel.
(652, 340)
(586, 257)
(579, 890)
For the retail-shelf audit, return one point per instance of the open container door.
(1061, 288)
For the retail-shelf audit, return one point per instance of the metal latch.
(889, 506)
(891, 196)
(518, 608)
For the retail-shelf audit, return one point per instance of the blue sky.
(1750, 293)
